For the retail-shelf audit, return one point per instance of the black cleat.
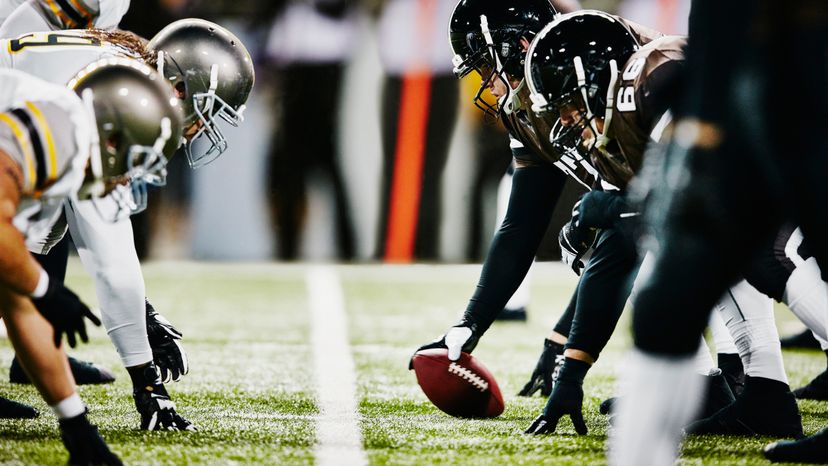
(84, 443)
(512, 315)
(803, 340)
(717, 396)
(10, 409)
(766, 407)
(816, 389)
(85, 373)
(813, 449)
(154, 405)
(733, 371)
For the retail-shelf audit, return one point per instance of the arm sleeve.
(535, 191)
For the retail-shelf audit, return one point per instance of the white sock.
(807, 297)
(521, 297)
(702, 361)
(69, 407)
(658, 397)
(718, 330)
(749, 317)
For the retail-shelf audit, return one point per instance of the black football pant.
(602, 291)
(721, 204)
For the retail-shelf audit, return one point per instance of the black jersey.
(529, 133)
(648, 82)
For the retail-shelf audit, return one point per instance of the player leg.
(108, 253)
(766, 406)
(515, 308)
(727, 355)
(786, 271)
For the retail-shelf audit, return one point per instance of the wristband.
(42, 285)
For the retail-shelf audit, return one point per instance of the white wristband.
(70, 406)
(42, 285)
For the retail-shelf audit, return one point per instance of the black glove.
(462, 337)
(575, 243)
(167, 352)
(546, 370)
(84, 443)
(601, 209)
(66, 312)
(567, 399)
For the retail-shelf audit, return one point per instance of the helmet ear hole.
(180, 90)
(112, 143)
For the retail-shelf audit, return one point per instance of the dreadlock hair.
(132, 43)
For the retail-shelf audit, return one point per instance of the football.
(462, 388)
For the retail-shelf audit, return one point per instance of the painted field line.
(338, 437)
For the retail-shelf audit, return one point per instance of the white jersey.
(21, 16)
(48, 131)
(56, 57)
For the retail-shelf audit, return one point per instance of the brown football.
(462, 388)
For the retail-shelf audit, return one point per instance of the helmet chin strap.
(511, 102)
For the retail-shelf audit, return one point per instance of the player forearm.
(19, 271)
(533, 196)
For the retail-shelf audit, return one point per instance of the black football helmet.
(212, 72)
(575, 62)
(138, 122)
(485, 37)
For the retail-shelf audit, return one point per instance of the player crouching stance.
(55, 146)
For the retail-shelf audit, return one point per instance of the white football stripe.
(338, 437)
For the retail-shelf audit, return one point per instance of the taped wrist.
(42, 287)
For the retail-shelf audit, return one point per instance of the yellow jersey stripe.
(46, 131)
(27, 149)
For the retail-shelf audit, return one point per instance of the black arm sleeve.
(535, 190)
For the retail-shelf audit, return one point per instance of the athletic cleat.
(10, 409)
(813, 449)
(85, 373)
(766, 407)
(84, 443)
(718, 396)
(816, 389)
(157, 410)
(733, 371)
(512, 315)
(803, 340)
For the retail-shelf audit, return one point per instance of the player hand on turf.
(460, 338)
(66, 312)
(546, 371)
(84, 443)
(167, 353)
(567, 399)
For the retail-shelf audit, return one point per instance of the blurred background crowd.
(358, 142)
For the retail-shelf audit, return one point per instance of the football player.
(732, 178)
(212, 75)
(55, 146)
(616, 136)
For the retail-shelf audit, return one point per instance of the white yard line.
(338, 437)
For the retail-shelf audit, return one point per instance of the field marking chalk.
(338, 436)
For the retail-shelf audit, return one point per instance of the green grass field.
(251, 387)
